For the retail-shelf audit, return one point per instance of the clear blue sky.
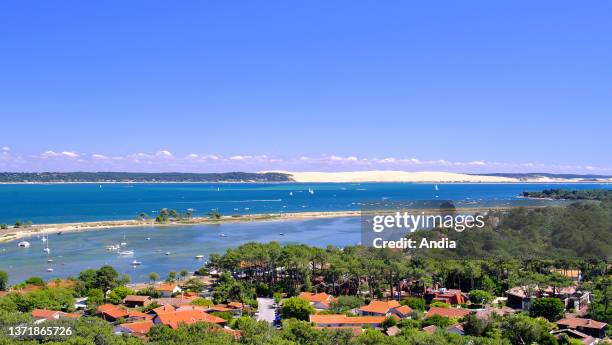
(480, 85)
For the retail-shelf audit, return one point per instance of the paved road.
(266, 312)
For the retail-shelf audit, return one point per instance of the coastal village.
(175, 302)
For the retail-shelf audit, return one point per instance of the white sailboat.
(310, 190)
(46, 249)
(436, 187)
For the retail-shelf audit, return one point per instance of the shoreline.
(13, 234)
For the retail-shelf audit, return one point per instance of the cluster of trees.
(565, 194)
(142, 177)
(272, 267)
(18, 224)
(580, 230)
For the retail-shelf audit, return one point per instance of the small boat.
(148, 238)
(24, 244)
(222, 235)
(44, 239)
(282, 234)
(136, 263)
(436, 187)
(49, 269)
(49, 260)
(199, 257)
(59, 233)
(113, 247)
(310, 190)
(126, 253)
(291, 193)
(167, 253)
(123, 244)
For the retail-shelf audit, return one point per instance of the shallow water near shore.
(74, 252)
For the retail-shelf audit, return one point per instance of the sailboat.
(436, 187)
(123, 244)
(46, 249)
(310, 190)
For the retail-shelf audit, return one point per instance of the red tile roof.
(72, 315)
(116, 313)
(165, 287)
(141, 327)
(45, 314)
(106, 307)
(580, 322)
(235, 305)
(220, 307)
(380, 307)
(173, 319)
(342, 319)
(166, 308)
(405, 310)
(138, 314)
(447, 312)
(321, 297)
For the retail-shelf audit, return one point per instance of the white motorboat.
(167, 253)
(24, 244)
(136, 263)
(126, 253)
(49, 269)
(199, 257)
(222, 235)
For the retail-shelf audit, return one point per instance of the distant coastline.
(295, 177)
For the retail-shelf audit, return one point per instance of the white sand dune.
(405, 176)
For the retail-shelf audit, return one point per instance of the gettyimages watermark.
(468, 229)
(390, 224)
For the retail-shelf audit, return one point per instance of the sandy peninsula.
(12, 234)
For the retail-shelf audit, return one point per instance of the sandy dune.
(424, 176)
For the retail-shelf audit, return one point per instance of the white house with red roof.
(319, 300)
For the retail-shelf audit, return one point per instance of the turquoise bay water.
(61, 203)
(73, 252)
